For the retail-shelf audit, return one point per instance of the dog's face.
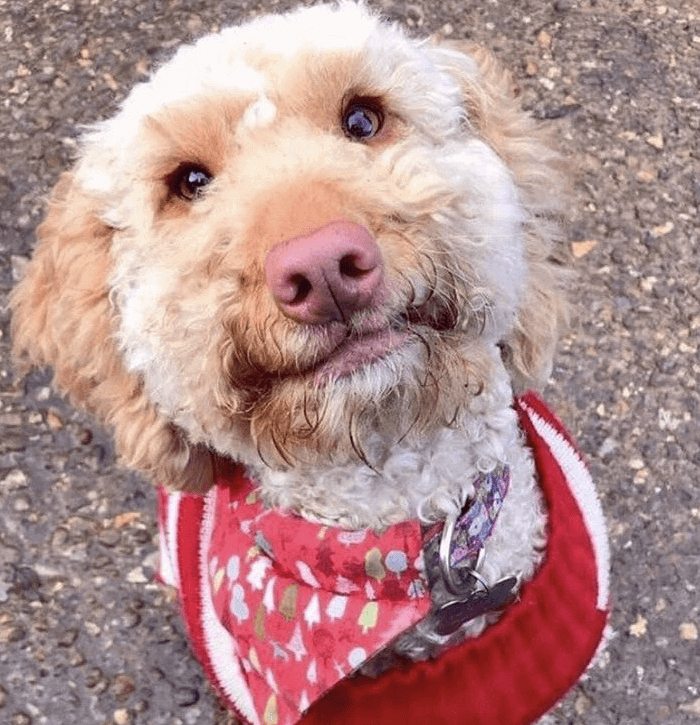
(299, 232)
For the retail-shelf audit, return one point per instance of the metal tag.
(452, 615)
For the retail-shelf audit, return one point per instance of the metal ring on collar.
(453, 584)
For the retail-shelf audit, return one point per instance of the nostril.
(302, 288)
(350, 266)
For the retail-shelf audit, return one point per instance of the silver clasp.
(456, 585)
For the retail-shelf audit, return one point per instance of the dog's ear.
(493, 111)
(63, 318)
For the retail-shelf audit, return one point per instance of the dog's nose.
(325, 275)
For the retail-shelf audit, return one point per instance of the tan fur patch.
(199, 132)
(63, 318)
(319, 89)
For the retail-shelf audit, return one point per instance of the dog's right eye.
(362, 119)
(188, 181)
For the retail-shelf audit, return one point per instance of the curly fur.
(154, 313)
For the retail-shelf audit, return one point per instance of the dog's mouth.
(380, 340)
(351, 349)
(359, 349)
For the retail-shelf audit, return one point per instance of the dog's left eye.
(189, 180)
(362, 120)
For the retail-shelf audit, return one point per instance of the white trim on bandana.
(220, 645)
(169, 570)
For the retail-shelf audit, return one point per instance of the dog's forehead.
(281, 54)
(249, 58)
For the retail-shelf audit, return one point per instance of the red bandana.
(280, 610)
(309, 603)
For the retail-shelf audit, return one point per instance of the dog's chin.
(357, 402)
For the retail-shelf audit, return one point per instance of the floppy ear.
(63, 318)
(543, 182)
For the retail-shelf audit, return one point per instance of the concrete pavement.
(85, 637)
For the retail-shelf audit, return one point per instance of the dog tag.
(452, 615)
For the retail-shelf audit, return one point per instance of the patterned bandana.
(309, 603)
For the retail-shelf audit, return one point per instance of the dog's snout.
(326, 275)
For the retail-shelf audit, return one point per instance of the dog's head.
(298, 231)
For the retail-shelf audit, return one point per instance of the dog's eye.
(189, 180)
(362, 120)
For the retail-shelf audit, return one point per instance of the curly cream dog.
(321, 248)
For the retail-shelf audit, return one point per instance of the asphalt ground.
(86, 637)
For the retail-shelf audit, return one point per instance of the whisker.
(356, 446)
(282, 453)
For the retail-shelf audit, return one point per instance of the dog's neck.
(428, 479)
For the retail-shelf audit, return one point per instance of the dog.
(331, 254)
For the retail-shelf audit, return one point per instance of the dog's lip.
(359, 349)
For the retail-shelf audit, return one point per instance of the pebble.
(60, 537)
(76, 658)
(691, 707)
(126, 519)
(581, 249)
(122, 687)
(608, 446)
(93, 629)
(688, 631)
(582, 704)
(656, 141)
(54, 420)
(67, 637)
(639, 627)
(14, 480)
(662, 230)
(136, 576)
(130, 619)
(645, 176)
(544, 39)
(100, 687)
(109, 537)
(186, 696)
(93, 677)
(22, 503)
(12, 633)
(111, 82)
(531, 68)
(122, 717)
